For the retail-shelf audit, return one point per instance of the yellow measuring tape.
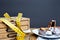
(6, 15)
(18, 19)
(20, 35)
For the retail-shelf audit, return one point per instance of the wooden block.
(11, 35)
(8, 38)
(7, 35)
(25, 23)
(24, 18)
(3, 35)
(6, 31)
(24, 27)
(2, 31)
(2, 25)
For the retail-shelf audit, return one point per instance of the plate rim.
(45, 36)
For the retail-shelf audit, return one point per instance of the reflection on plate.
(36, 31)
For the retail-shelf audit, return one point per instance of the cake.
(43, 31)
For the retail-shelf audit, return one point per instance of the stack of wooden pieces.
(7, 33)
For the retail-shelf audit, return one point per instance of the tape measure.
(6, 15)
(18, 19)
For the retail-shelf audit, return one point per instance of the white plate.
(36, 31)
